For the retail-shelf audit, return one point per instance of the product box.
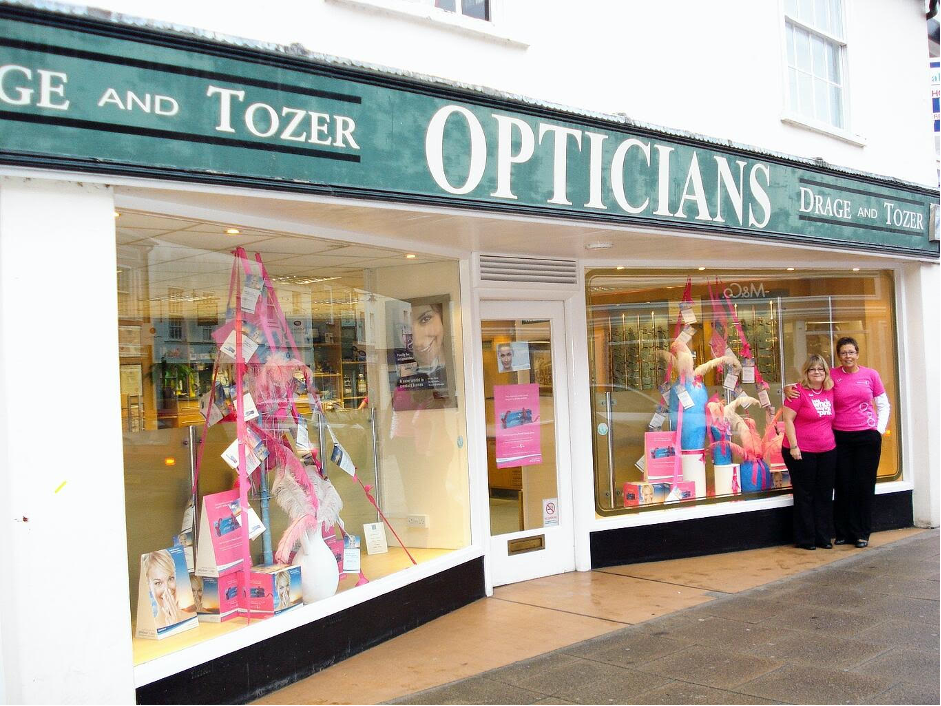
(165, 603)
(681, 490)
(780, 476)
(660, 461)
(217, 598)
(637, 494)
(274, 589)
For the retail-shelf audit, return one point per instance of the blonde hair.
(816, 361)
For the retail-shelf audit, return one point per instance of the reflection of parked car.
(231, 592)
(224, 525)
(517, 418)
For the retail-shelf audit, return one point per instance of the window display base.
(725, 533)
(249, 673)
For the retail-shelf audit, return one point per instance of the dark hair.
(846, 341)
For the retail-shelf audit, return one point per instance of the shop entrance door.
(528, 451)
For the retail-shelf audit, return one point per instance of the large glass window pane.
(354, 348)
(821, 100)
(802, 46)
(636, 326)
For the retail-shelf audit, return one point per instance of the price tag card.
(341, 457)
(686, 335)
(684, 397)
(303, 438)
(351, 554)
(763, 398)
(210, 412)
(687, 312)
(231, 457)
(251, 411)
(249, 346)
(748, 371)
(255, 527)
(641, 464)
(656, 421)
(251, 291)
(731, 381)
(665, 392)
(374, 534)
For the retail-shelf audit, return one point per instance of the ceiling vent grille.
(528, 270)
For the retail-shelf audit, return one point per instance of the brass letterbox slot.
(526, 544)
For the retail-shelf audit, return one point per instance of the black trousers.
(858, 454)
(812, 481)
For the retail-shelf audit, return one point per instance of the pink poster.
(516, 408)
(221, 510)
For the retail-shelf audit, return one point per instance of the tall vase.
(320, 574)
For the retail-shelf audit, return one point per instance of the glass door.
(528, 454)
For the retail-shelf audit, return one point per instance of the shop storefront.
(428, 337)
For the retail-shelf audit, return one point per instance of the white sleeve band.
(882, 410)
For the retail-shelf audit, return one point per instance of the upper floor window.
(816, 56)
(478, 9)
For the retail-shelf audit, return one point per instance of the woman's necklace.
(813, 392)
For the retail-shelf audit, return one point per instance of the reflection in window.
(738, 340)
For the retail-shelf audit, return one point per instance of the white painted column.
(922, 345)
(64, 615)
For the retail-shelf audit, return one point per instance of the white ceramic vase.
(694, 469)
(724, 477)
(320, 574)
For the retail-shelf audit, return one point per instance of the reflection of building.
(573, 230)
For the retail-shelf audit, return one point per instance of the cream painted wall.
(64, 614)
(715, 69)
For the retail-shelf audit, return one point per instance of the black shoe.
(808, 547)
(839, 540)
(825, 546)
(861, 543)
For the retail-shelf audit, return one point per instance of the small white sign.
(748, 372)
(641, 463)
(731, 381)
(251, 291)
(248, 404)
(683, 395)
(374, 534)
(231, 457)
(351, 554)
(687, 312)
(255, 527)
(303, 437)
(550, 512)
(249, 346)
(763, 398)
(657, 420)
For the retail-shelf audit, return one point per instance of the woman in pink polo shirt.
(862, 415)
(809, 451)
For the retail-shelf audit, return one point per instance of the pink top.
(854, 397)
(813, 424)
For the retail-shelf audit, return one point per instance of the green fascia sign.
(85, 94)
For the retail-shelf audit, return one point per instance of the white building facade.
(483, 227)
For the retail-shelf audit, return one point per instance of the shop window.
(479, 9)
(816, 58)
(352, 348)
(646, 329)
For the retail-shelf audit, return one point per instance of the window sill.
(479, 29)
(823, 129)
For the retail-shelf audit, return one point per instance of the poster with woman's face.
(420, 360)
(512, 356)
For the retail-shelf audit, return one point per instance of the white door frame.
(559, 553)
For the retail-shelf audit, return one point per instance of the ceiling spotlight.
(117, 215)
(701, 269)
(620, 267)
(790, 269)
(232, 231)
(855, 269)
(410, 256)
(600, 245)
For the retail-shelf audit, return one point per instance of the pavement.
(860, 628)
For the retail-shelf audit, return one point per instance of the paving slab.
(913, 666)
(801, 684)
(903, 633)
(905, 693)
(680, 692)
(713, 667)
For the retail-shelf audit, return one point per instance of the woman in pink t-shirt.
(862, 415)
(809, 451)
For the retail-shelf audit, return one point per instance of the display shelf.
(374, 566)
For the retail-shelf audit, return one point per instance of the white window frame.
(790, 115)
(424, 11)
